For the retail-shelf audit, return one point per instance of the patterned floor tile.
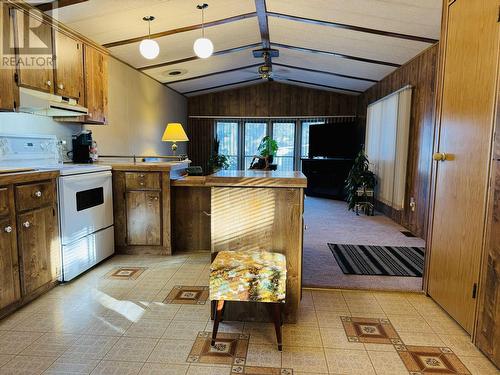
(257, 370)
(429, 360)
(370, 330)
(126, 273)
(229, 349)
(187, 295)
(387, 363)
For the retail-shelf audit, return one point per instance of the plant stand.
(365, 201)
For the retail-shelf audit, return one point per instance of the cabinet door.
(36, 70)
(69, 67)
(143, 218)
(96, 85)
(8, 88)
(9, 270)
(38, 244)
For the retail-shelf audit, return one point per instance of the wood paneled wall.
(272, 99)
(421, 74)
(265, 100)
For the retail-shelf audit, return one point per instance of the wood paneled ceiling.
(338, 45)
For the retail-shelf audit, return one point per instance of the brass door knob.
(439, 156)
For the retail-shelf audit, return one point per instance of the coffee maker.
(82, 144)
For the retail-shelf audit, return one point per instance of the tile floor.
(99, 324)
(329, 220)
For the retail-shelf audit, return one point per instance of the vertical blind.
(387, 133)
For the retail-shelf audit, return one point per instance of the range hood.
(45, 104)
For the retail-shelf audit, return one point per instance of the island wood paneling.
(260, 100)
(420, 73)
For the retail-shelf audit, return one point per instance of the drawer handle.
(61, 86)
(26, 224)
(37, 194)
(206, 213)
(141, 176)
(141, 183)
(8, 229)
(49, 83)
(152, 198)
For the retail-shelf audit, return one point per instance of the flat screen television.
(337, 140)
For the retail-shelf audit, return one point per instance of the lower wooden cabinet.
(143, 218)
(141, 207)
(9, 269)
(37, 236)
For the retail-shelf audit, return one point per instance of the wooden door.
(38, 246)
(466, 121)
(96, 85)
(8, 89)
(9, 269)
(143, 218)
(69, 67)
(33, 74)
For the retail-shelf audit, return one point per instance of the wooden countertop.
(145, 166)
(247, 178)
(27, 176)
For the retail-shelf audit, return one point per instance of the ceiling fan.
(266, 70)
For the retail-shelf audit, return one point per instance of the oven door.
(85, 204)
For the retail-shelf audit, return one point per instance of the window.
(227, 134)
(304, 144)
(254, 132)
(284, 134)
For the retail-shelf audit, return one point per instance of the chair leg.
(276, 315)
(218, 318)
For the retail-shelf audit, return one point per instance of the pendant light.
(149, 48)
(203, 47)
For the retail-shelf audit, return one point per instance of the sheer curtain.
(387, 132)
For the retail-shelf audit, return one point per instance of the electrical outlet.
(413, 204)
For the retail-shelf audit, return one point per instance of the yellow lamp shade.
(174, 132)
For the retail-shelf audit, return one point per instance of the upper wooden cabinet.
(8, 89)
(39, 77)
(68, 66)
(96, 85)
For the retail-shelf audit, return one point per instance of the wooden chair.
(249, 276)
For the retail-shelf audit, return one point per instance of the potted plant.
(360, 177)
(217, 161)
(268, 147)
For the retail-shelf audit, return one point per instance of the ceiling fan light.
(203, 48)
(149, 48)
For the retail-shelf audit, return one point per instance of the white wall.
(139, 109)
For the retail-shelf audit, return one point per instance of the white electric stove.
(85, 199)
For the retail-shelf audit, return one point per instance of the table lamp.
(174, 132)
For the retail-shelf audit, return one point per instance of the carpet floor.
(329, 221)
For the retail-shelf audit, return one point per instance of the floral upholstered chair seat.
(257, 276)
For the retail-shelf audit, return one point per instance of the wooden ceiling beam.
(260, 6)
(224, 85)
(45, 7)
(181, 30)
(325, 72)
(341, 55)
(321, 85)
(214, 73)
(353, 28)
(192, 58)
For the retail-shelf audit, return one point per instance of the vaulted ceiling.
(339, 45)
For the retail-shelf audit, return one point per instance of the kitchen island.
(250, 210)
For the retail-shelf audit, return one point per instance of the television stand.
(326, 176)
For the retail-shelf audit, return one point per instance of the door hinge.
(54, 212)
(474, 291)
(16, 78)
(498, 20)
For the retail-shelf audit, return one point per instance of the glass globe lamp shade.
(149, 49)
(203, 47)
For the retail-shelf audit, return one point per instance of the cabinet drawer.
(35, 195)
(142, 181)
(4, 201)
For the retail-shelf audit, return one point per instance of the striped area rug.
(379, 260)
